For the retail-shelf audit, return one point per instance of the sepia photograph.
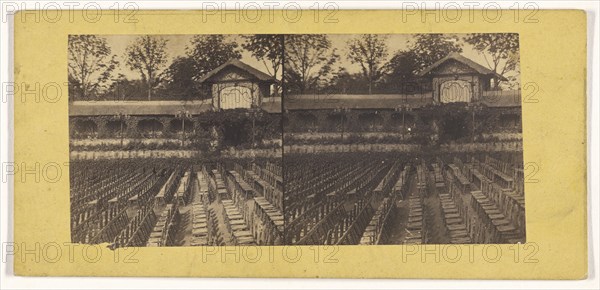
(191, 140)
(332, 145)
(403, 139)
(175, 140)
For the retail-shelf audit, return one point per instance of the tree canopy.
(203, 54)
(90, 65)
(309, 59)
(210, 51)
(267, 48)
(308, 63)
(429, 48)
(147, 55)
(500, 50)
(370, 51)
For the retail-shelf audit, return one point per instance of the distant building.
(235, 84)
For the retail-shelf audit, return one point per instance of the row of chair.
(164, 230)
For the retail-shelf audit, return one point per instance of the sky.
(176, 46)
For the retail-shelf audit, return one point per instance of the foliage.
(130, 145)
(90, 65)
(353, 138)
(370, 51)
(311, 64)
(182, 75)
(429, 48)
(309, 61)
(201, 140)
(268, 48)
(401, 74)
(501, 51)
(235, 126)
(205, 53)
(147, 55)
(178, 76)
(208, 52)
(123, 89)
(343, 82)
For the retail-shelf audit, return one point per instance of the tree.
(326, 73)
(344, 82)
(401, 70)
(90, 64)
(179, 75)
(203, 54)
(429, 48)
(402, 65)
(268, 48)
(123, 89)
(308, 60)
(147, 55)
(210, 51)
(368, 50)
(500, 50)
